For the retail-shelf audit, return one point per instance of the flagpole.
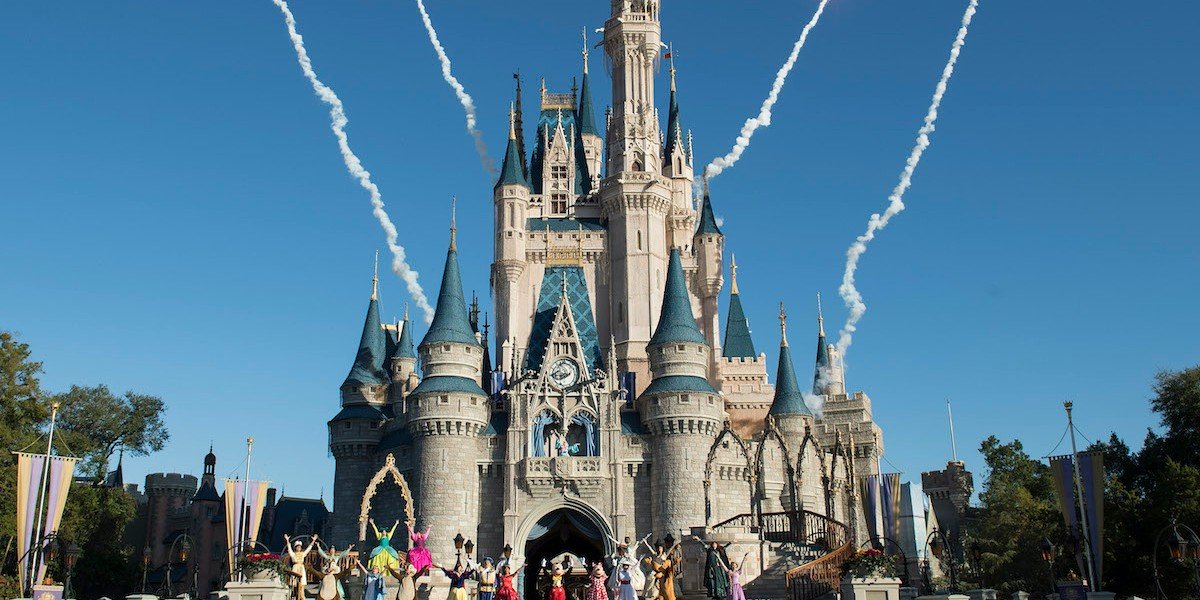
(244, 518)
(953, 443)
(1083, 516)
(43, 489)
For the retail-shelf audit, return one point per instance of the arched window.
(543, 433)
(584, 434)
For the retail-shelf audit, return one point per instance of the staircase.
(809, 550)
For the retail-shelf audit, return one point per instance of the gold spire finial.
(453, 223)
(585, 51)
(512, 121)
(405, 312)
(671, 56)
(820, 317)
(783, 325)
(375, 279)
(733, 287)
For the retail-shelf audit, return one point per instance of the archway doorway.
(562, 531)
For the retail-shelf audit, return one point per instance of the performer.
(407, 589)
(625, 580)
(716, 580)
(596, 590)
(507, 590)
(298, 569)
(664, 565)
(373, 586)
(458, 580)
(384, 555)
(556, 591)
(735, 579)
(331, 581)
(485, 574)
(419, 555)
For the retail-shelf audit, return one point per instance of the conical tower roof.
(708, 221)
(822, 364)
(789, 400)
(513, 171)
(404, 347)
(674, 132)
(676, 323)
(450, 320)
(587, 115)
(738, 343)
(368, 366)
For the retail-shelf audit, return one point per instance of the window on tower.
(558, 203)
(558, 171)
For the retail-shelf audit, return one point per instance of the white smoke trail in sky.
(849, 293)
(763, 119)
(463, 97)
(337, 115)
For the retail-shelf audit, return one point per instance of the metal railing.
(810, 533)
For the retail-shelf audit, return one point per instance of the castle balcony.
(563, 467)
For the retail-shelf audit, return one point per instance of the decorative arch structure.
(771, 432)
(810, 444)
(751, 473)
(536, 513)
(389, 468)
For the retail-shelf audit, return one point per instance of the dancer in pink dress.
(735, 579)
(598, 589)
(419, 555)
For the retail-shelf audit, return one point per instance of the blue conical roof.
(450, 320)
(822, 362)
(676, 323)
(512, 173)
(708, 221)
(738, 343)
(404, 348)
(674, 131)
(788, 398)
(587, 117)
(372, 350)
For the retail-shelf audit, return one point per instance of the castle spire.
(451, 322)
(676, 323)
(375, 279)
(738, 343)
(404, 348)
(519, 128)
(708, 220)
(821, 372)
(674, 133)
(453, 221)
(512, 172)
(372, 346)
(789, 400)
(733, 286)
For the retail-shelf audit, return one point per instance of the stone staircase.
(804, 552)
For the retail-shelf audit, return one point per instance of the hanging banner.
(242, 538)
(1091, 475)
(38, 473)
(30, 468)
(58, 485)
(870, 494)
(890, 496)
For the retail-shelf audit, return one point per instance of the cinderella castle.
(607, 402)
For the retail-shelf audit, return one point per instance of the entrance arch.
(561, 526)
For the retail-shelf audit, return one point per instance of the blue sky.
(177, 220)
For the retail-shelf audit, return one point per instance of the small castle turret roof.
(676, 323)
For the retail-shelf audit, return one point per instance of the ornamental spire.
(738, 343)
(453, 220)
(733, 287)
(783, 326)
(375, 279)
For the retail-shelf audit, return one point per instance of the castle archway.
(565, 526)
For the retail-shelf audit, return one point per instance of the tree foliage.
(94, 422)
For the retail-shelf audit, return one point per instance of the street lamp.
(1048, 552)
(938, 544)
(145, 566)
(458, 545)
(469, 547)
(880, 543)
(1181, 549)
(184, 543)
(70, 555)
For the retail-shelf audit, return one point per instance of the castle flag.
(38, 474)
(242, 528)
(1091, 475)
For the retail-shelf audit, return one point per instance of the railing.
(811, 534)
(565, 467)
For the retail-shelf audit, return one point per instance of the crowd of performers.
(625, 575)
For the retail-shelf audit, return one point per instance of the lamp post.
(1048, 552)
(145, 566)
(70, 555)
(1182, 550)
(938, 544)
(458, 546)
(469, 548)
(184, 542)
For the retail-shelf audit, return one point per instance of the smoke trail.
(764, 114)
(463, 97)
(849, 293)
(337, 115)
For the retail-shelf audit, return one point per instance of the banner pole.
(1083, 516)
(42, 489)
(244, 518)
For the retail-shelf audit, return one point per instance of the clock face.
(564, 372)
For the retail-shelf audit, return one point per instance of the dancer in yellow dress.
(384, 555)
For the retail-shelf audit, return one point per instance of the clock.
(564, 372)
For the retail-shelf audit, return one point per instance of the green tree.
(21, 414)
(94, 423)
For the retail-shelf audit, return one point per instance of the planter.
(870, 588)
(264, 577)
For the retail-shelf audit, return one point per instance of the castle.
(615, 407)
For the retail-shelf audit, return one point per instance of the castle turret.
(709, 244)
(355, 431)
(592, 144)
(743, 370)
(509, 271)
(677, 162)
(447, 411)
(828, 377)
(788, 409)
(404, 361)
(679, 408)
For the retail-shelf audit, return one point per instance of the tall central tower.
(635, 197)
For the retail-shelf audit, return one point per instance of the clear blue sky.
(177, 221)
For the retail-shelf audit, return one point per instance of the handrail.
(819, 577)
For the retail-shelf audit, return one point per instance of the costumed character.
(458, 580)
(298, 570)
(626, 580)
(664, 564)
(556, 572)
(507, 590)
(485, 574)
(716, 579)
(331, 587)
(735, 579)
(373, 586)
(419, 555)
(407, 589)
(384, 555)
(597, 588)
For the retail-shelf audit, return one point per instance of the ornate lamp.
(935, 545)
(185, 547)
(1047, 550)
(1177, 545)
(1193, 546)
(508, 549)
(469, 547)
(146, 556)
(70, 555)
(458, 541)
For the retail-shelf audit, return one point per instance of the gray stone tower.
(446, 414)
(680, 409)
